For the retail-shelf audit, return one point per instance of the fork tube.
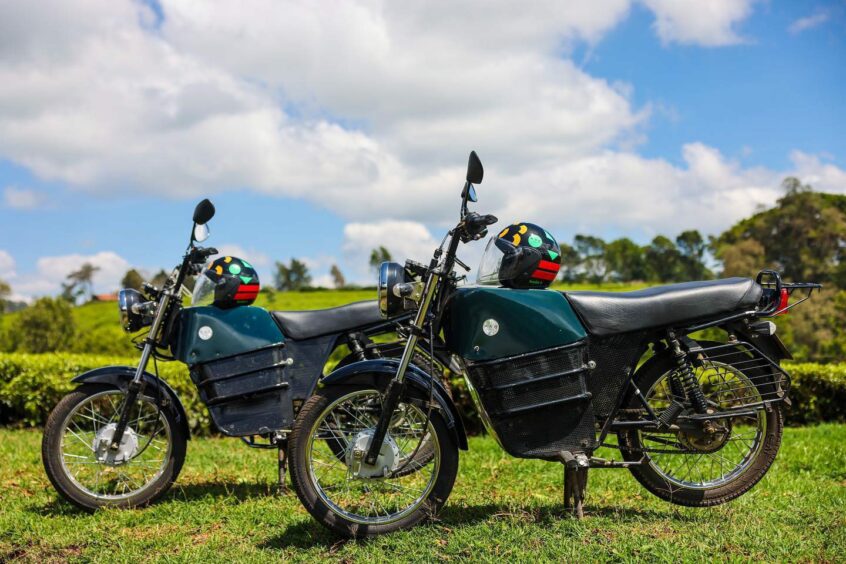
(134, 387)
(392, 393)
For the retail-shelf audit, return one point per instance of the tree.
(569, 264)
(744, 258)
(158, 280)
(292, 277)
(132, 279)
(625, 260)
(663, 259)
(5, 292)
(378, 256)
(79, 283)
(45, 326)
(692, 248)
(803, 236)
(591, 252)
(337, 276)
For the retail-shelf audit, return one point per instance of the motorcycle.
(554, 376)
(119, 439)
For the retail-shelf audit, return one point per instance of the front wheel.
(87, 473)
(702, 467)
(356, 499)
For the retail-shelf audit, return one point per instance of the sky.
(323, 129)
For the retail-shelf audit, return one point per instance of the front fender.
(378, 371)
(120, 376)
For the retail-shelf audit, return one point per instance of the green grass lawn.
(224, 508)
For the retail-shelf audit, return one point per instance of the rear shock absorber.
(685, 378)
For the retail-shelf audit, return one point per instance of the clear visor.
(203, 291)
(489, 267)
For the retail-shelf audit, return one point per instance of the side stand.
(575, 482)
(281, 442)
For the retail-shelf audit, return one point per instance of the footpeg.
(669, 415)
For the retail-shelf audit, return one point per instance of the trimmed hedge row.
(31, 384)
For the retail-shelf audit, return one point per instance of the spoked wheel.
(338, 441)
(709, 463)
(82, 467)
(352, 497)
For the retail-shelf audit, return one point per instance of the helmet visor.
(488, 274)
(203, 291)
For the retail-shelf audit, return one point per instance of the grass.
(224, 508)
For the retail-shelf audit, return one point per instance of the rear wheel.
(351, 497)
(710, 465)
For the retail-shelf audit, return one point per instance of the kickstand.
(282, 449)
(575, 482)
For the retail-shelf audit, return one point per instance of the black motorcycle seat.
(299, 325)
(610, 313)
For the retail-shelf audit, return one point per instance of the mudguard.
(120, 376)
(769, 345)
(380, 370)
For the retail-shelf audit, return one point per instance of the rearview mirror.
(203, 212)
(475, 172)
(201, 232)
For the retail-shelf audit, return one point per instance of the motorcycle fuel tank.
(485, 323)
(207, 333)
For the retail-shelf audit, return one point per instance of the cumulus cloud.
(7, 266)
(51, 271)
(712, 23)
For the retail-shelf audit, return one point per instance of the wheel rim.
(141, 459)
(708, 462)
(355, 491)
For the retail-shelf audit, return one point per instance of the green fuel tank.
(486, 323)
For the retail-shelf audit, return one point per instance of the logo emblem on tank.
(205, 333)
(490, 327)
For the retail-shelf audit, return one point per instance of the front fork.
(137, 383)
(395, 386)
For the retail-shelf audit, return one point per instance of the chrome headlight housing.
(390, 274)
(134, 310)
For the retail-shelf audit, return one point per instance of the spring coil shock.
(685, 378)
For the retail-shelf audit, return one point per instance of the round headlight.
(390, 274)
(130, 318)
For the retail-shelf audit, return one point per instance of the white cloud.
(823, 176)
(808, 22)
(50, 272)
(21, 198)
(7, 266)
(710, 23)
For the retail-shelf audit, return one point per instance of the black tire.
(306, 421)
(658, 485)
(52, 455)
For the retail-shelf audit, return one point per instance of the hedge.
(31, 384)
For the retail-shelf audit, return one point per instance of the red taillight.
(783, 300)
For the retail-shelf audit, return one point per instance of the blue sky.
(320, 131)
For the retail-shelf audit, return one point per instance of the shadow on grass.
(309, 534)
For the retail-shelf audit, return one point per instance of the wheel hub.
(125, 451)
(386, 461)
(710, 439)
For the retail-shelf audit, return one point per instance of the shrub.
(45, 326)
(31, 384)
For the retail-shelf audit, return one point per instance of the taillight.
(783, 301)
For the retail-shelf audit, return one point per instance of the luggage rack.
(777, 293)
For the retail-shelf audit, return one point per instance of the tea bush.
(31, 384)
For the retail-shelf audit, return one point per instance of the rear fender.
(121, 376)
(770, 345)
(378, 372)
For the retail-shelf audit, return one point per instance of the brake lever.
(461, 264)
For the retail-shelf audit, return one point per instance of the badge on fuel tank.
(490, 327)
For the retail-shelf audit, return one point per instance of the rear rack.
(774, 287)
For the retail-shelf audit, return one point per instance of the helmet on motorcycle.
(226, 282)
(522, 256)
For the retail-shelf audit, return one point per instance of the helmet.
(226, 282)
(522, 256)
